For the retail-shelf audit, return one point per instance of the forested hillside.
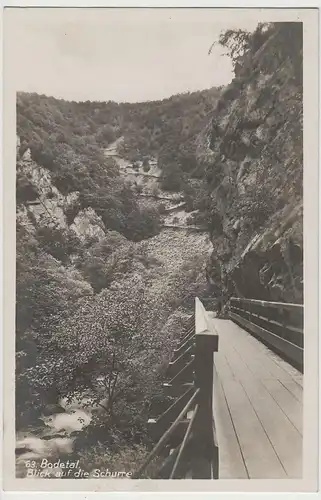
(163, 129)
(97, 291)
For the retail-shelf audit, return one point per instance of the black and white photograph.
(160, 291)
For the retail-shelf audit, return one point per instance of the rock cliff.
(253, 156)
(48, 204)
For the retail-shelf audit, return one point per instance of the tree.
(172, 179)
(155, 191)
(58, 242)
(110, 344)
(105, 135)
(257, 205)
(238, 42)
(105, 260)
(44, 290)
(105, 347)
(26, 190)
(146, 165)
(142, 223)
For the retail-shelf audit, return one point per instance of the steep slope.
(252, 155)
(85, 242)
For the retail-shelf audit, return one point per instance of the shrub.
(257, 205)
(146, 166)
(162, 208)
(58, 242)
(172, 179)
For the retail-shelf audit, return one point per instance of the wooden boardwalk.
(258, 408)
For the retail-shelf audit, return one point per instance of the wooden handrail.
(183, 373)
(164, 439)
(205, 446)
(201, 324)
(184, 442)
(266, 303)
(191, 372)
(177, 405)
(279, 325)
(185, 345)
(179, 361)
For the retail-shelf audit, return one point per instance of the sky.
(118, 54)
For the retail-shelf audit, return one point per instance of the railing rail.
(277, 324)
(266, 303)
(187, 445)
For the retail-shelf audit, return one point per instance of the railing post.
(205, 463)
(198, 452)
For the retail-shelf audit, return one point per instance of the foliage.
(26, 191)
(67, 137)
(45, 289)
(257, 205)
(125, 459)
(146, 166)
(64, 139)
(58, 242)
(92, 311)
(238, 42)
(111, 343)
(172, 179)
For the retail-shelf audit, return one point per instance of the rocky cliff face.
(253, 154)
(49, 204)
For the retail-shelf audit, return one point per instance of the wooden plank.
(297, 376)
(290, 403)
(278, 367)
(231, 332)
(292, 408)
(185, 345)
(288, 332)
(260, 355)
(259, 455)
(284, 437)
(294, 388)
(165, 439)
(167, 465)
(190, 332)
(200, 317)
(291, 351)
(264, 403)
(221, 365)
(279, 428)
(231, 462)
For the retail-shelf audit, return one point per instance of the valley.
(150, 193)
(177, 244)
(124, 210)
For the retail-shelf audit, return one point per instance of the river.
(52, 437)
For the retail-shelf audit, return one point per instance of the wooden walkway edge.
(257, 406)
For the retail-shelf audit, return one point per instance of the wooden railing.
(187, 445)
(277, 324)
